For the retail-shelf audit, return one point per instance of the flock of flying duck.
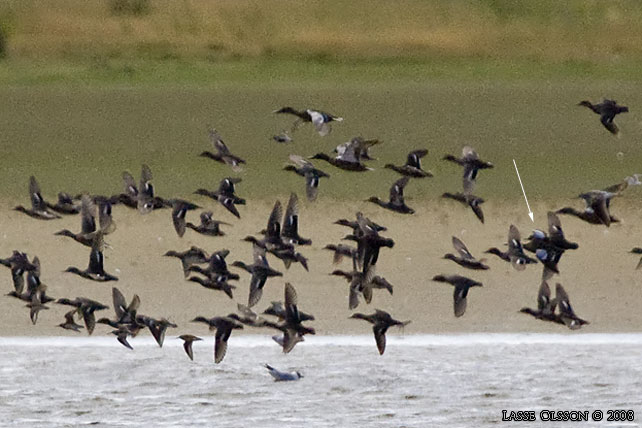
(281, 239)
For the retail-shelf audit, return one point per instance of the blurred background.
(128, 39)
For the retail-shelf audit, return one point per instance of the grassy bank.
(211, 42)
(81, 139)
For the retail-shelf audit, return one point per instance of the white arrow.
(530, 212)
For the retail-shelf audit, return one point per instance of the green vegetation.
(81, 139)
(200, 42)
(93, 87)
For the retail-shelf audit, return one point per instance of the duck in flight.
(224, 327)
(381, 321)
(188, 340)
(311, 174)
(412, 167)
(397, 202)
(348, 157)
(465, 258)
(39, 209)
(225, 195)
(95, 271)
(222, 153)
(321, 120)
(462, 284)
(515, 254)
(607, 110)
(209, 226)
(64, 205)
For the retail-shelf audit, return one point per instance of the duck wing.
(380, 337)
(129, 185)
(460, 247)
(544, 297)
(87, 215)
(459, 298)
(396, 191)
(37, 202)
(291, 219)
(319, 121)
(414, 158)
(274, 222)
(145, 191)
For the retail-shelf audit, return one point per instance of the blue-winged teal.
(515, 254)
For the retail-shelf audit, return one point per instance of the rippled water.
(427, 380)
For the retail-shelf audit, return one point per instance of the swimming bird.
(280, 376)
(396, 202)
(465, 258)
(637, 250)
(260, 271)
(311, 174)
(223, 154)
(515, 254)
(381, 321)
(188, 340)
(39, 207)
(319, 119)
(412, 167)
(348, 157)
(223, 327)
(208, 226)
(64, 205)
(95, 271)
(607, 110)
(189, 257)
(462, 285)
(225, 195)
(179, 211)
(69, 323)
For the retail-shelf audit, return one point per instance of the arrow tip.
(530, 214)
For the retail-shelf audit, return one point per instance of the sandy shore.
(600, 276)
